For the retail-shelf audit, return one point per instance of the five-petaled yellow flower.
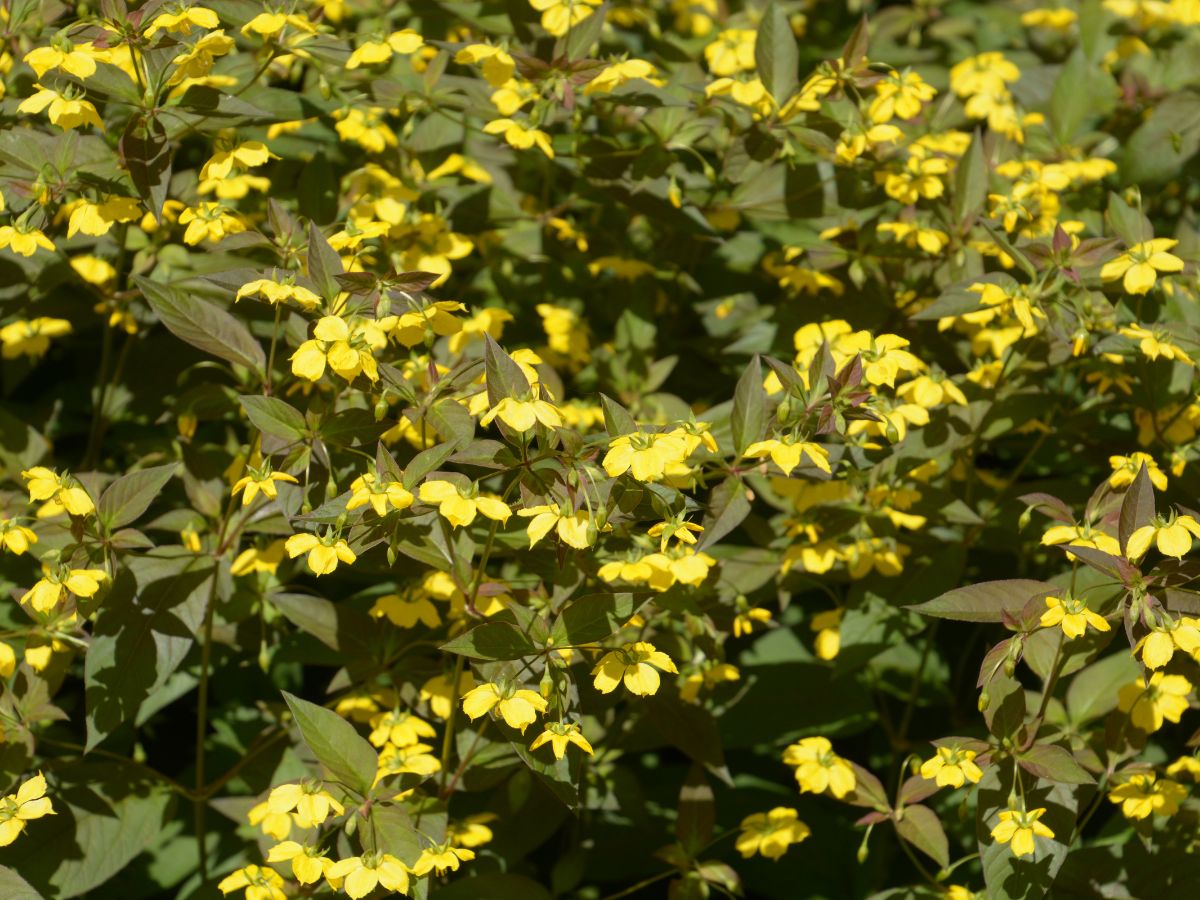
(459, 506)
(1138, 267)
(260, 883)
(951, 767)
(637, 664)
(57, 580)
(819, 769)
(1071, 613)
(263, 480)
(788, 452)
(367, 489)
(309, 800)
(440, 859)
(28, 803)
(771, 833)
(558, 735)
(324, 553)
(1143, 794)
(518, 707)
(1019, 827)
(60, 492)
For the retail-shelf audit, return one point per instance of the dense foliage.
(553, 448)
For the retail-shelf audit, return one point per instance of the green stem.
(202, 724)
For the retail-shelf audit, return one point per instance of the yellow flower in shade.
(1188, 766)
(75, 60)
(1172, 536)
(31, 337)
(399, 728)
(441, 693)
(255, 559)
(263, 480)
(613, 76)
(440, 859)
(1125, 469)
(1138, 267)
(97, 219)
(731, 52)
(197, 61)
(28, 803)
(406, 612)
(558, 735)
(8, 662)
(1072, 615)
(636, 571)
(951, 767)
(684, 532)
(66, 111)
(1018, 828)
(209, 221)
(309, 863)
(1149, 704)
(414, 327)
(459, 506)
(1160, 644)
(56, 580)
(771, 833)
(471, 831)
(260, 883)
(23, 239)
(1084, 535)
(183, 21)
(788, 453)
(574, 527)
(984, 73)
(743, 622)
(522, 415)
(414, 759)
(16, 538)
(373, 53)
(827, 625)
(324, 553)
(519, 136)
(1142, 795)
(276, 291)
(560, 16)
(1156, 343)
(497, 65)
(818, 768)
(346, 346)
(899, 94)
(682, 565)
(645, 455)
(637, 664)
(309, 800)
(267, 25)
(517, 706)
(276, 825)
(366, 488)
(363, 873)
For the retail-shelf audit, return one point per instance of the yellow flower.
(96, 219)
(1149, 703)
(743, 622)
(498, 66)
(645, 455)
(271, 24)
(23, 239)
(1138, 267)
(401, 729)
(1160, 644)
(246, 155)
(196, 62)
(414, 327)
(309, 800)
(277, 291)
(818, 768)
(732, 51)
(260, 480)
(459, 506)
(31, 337)
(574, 527)
(771, 833)
(1154, 344)
(366, 127)
(614, 75)
(309, 863)
(682, 565)
(93, 269)
(46, 594)
(373, 53)
(522, 415)
(1172, 536)
(254, 559)
(899, 94)
(276, 825)
(209, 221)
(1125, 469)
(1072, 615)
(182, 22)
(75, 60)
(28, 803)
(788, 452)
(684, 532)
(1141, 795)
(16, 538)
(519, 136)
(984, 73)
(66, 111)
(472, 831)
(324, 554)
(406, 612)
(260, 882)
(1084, 535)
(517, 706)
(951, 766)
(441, 859)
(441, 694)
(827, 625)
(637, 664)
(1017, 828)
(346, 346)
(560, 16)
(558, 735)
(366, 488)
(414, 759)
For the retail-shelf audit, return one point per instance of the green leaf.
(728, 506)
(395, 832)
(1130, 224)
(1053, 763)
(127, 497)
(273, 416)
(424, 463)
(336, 625)
(203, 325)
(14, 887)
(984, 602)
(323, 264)
(748, 420)
(106, 814)
(696, 818)
(970, 182)
(594, 617)
(143, 631)
(1164, 142)
(493, 886)
(1082, 90)
(617, 419)
(491, 640)
(147, 154)
(317, 190)
(690, 728)
(452, 421)
(347, 756)
(504, 377)
(577, 43)
(1093, 691)
(1137, 506)
(1030, 878)
(776, 54)
(921, 827)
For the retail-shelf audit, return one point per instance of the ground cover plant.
(552, 448)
